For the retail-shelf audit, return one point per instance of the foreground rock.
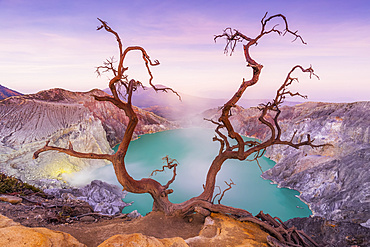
(195, 230)
(104, 198)
(10, 199)
(220, 230)
(217, 230)
(138, 239)
(14, 235)
(28, 121)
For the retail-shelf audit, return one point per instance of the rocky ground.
(92, 220)
(86, 228)
(97, 218)
(91, 228)
(92, 215)
(78, 219)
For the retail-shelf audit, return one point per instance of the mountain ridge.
(7, 92)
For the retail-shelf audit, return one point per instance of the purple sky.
(51, 43)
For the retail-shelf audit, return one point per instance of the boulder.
(220, 230)
(102, 197)
(6, 222)
(10, 199)
(13, 235)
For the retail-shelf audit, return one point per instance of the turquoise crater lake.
(195, 150)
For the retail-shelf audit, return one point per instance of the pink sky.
(48, 44)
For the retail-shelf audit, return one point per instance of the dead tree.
(224, 133)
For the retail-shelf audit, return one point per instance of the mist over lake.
(195, 150)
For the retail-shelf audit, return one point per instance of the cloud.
(56, 43)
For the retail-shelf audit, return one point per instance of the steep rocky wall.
(27, 122)
(114, 120)
(334, 181)
(26, 125)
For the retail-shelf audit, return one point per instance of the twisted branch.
(228, 188)
(71, 152)
(171, 164)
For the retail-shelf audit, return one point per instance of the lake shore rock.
(333, 180)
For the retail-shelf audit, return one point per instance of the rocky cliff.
(334, 181)
(27, 122)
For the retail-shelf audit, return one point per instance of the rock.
(10, 199)
(337, 189)
(332, 233)
(366, 224)
(334, 181)
(14, 235)
(138, 239)
(134, 214)
(102, 197)
(87, 219)
(68, 197)
(220, 230)
(6, 222)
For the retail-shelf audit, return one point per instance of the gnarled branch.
(229, 186)
(171, 164)
(71, 152)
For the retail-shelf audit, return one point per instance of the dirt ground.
(77, 219)
(154, 224)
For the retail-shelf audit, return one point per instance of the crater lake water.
(194, 150)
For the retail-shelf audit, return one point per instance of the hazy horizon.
(55, 45)
(288, 99)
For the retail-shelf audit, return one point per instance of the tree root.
(280, 234)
